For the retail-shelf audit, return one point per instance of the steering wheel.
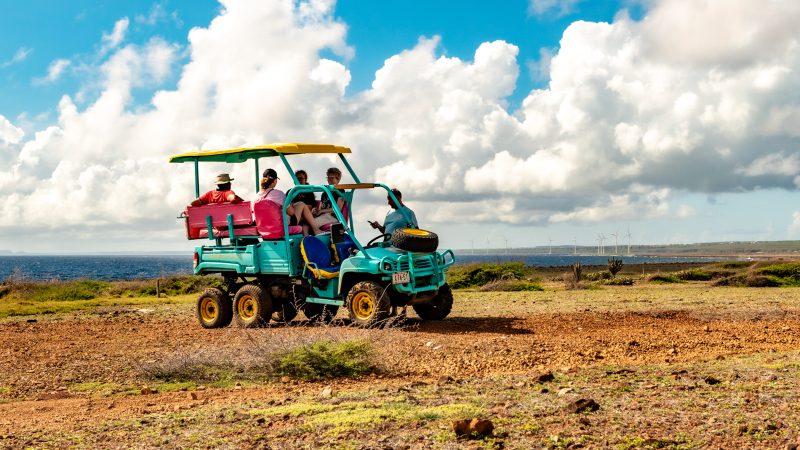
(371, 243)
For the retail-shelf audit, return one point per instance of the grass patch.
(664, 278)
(512, 286)
(11, 307)
(348, 416)
(326, 359)
(316, 360)
(476, 275)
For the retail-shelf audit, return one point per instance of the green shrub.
(475, 275)
(621, 281)
(787, 270)
(598, 276)
(694, 275)
(67, 290)
(326, 359)
(664, 278)
(733, 265)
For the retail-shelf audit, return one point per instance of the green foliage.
(614, 266)
(790, 271)
(65, 291)
(621, 281)
(476, 275)
(664, 278)
(326, 359)
(512, 286)
(598, 276)
(694, 275)
(43, 291)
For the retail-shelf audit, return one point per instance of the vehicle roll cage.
(282, 150)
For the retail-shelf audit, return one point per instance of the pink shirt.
(274, 195)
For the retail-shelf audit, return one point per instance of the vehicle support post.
(289, 168)
(196, 178)
(258, 177)
(349, 169)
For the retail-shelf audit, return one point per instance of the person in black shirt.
(307, 197)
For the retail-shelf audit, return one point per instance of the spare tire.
(415, 240)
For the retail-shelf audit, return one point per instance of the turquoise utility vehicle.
(271, 270)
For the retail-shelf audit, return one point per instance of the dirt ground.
(680, 366)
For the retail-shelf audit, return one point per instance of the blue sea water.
(123, 267)
(102, 267)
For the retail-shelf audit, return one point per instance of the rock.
(711, 380)
(672, 351)
(285, 379)
(582, 405)
(148, 391)
(564, 391)
(461, 427)
(544, 377)
(261, 421)
(31, 321)
(193, 395)
(481, 427)
(707, 329)
(633, 344)
(327, 392)
(473, 428)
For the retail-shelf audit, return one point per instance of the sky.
(518, 123)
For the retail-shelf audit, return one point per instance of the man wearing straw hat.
(221, 195)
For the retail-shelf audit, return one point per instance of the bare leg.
(309, 219)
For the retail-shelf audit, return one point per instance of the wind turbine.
(574, 246)
(506, 239)
(628, 235)
(550, 251)
(602, 246)
(616, 252)
(487, 245)
(599, 242)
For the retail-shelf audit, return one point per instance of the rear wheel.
(439, 307)
(214, 308)
(252, 305)
(368, 304)
(317, 312)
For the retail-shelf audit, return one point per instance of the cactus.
(614, 266)
(576, 271)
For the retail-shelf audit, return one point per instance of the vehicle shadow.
(455, 325)
(451, 325)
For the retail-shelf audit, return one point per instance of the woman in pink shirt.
(298, 213)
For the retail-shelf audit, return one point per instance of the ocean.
(124, 267)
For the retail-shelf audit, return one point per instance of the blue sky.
(654, 116)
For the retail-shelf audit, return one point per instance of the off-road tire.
(214, 309)
(439, 307)
(415, 240)
(318, 313)
(368, 304)
(252, 306)
(284, 312)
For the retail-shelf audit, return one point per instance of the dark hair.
(397, 193)
(266, 181)
(334, 171)
(298, 172)
(269, 173)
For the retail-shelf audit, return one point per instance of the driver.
(395, 219)
(223, 193)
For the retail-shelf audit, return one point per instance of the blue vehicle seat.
(342, 248)
(318, 258)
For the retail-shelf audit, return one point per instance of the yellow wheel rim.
(416, 232)
(246, 307)
(363, 305)
(208, 309)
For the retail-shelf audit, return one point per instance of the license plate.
(401, 277)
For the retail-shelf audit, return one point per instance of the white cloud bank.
(627, 119)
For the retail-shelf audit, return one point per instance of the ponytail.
(267, 182)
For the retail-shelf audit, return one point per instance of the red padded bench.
(240, 215)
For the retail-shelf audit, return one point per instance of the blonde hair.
(266, 182)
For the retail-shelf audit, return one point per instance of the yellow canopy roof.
(238, 155)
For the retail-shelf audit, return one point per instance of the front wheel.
(253, 306)
(439, 307)
(214, 308)
(368, 304)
